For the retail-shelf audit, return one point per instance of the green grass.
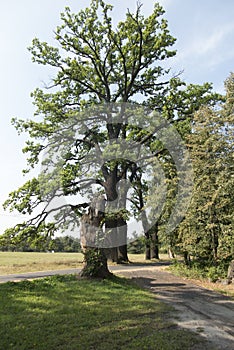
(199, 270)
(63, 312)
(207, 277)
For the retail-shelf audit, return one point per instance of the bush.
(198, 269)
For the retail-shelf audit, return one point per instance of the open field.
(65, 312)
(17, 262)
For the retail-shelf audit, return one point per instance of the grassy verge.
(140, 258)
(62, 312)
(202, 276)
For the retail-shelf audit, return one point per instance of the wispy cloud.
(206, 44)
(215, 39)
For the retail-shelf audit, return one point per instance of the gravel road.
(198, 309)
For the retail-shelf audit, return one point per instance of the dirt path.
(199, 309)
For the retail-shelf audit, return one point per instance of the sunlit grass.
(140, 258)
(63, 312)
(17, 262)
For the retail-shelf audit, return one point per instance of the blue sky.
(205, 45)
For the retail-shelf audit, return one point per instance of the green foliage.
(137, 245)
(207, 231)
(94, 262)
(39, 244)
(97, 63)
(199, 269)
(25, 198)
(118, 214)
(65, 244)
(192, 271)
(94, 62)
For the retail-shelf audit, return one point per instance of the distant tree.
(136, 244)
(65, 244)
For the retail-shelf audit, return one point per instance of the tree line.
(66, 244)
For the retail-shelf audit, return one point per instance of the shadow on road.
(152, 263)
(198, 309)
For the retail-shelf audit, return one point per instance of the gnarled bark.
(95, 261)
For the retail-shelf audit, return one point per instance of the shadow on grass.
(196, 304)
(64, 312)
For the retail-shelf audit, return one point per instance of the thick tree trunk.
(151, 235)
(122, 224)
(145, 225)
(111, 240)
(171, 254)
(187, 259)
(95, 264)
(122, 252)
(154, 242)
(154, 251)
(95, 261)
(113, 256)
(147, 251)
(116, 227)
(230, 274)
(118, 254)
(111, 222)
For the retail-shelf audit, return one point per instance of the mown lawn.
(64, 312)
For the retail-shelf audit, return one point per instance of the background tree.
(207, 231)
(178, 105)
(58, 244)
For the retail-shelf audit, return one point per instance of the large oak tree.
(98, 64)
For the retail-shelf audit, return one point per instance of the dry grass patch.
(17, 262)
